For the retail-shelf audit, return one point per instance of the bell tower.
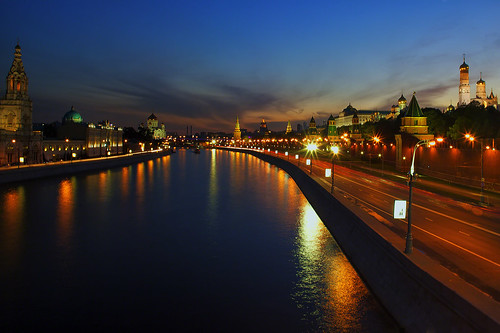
(16, 108)
(464, 87)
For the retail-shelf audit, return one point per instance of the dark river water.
(217, 241)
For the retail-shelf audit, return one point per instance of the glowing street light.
(335, 151)
(471, 139)
(311, 148)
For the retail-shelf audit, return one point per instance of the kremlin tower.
(237, 131)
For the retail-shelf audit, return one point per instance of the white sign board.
(399, 209)
(328, 172)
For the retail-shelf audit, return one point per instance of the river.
(217, 241)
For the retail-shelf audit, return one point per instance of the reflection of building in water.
(18, 142)
(77, 139)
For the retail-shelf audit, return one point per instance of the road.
(463, 237)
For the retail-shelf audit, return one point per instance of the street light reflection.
(321, 263)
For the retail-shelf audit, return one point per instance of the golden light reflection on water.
(324, 269)
(212, 187)
(13, 213)
(150, 173)
(125, 181)
(65, 209)
(140, 183)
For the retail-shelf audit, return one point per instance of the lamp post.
(381, 154)
(311, 148)
(335, 151)
(471, 139)
(409, 237)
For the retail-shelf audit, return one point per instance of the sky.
(202, 63)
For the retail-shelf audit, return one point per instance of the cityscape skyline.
(195, 63)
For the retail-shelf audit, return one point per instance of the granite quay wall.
(420, 294)
(13, 174)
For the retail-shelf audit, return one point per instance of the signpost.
(399, 209)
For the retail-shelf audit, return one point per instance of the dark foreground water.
(218, 241)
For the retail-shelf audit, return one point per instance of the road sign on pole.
(399, 209)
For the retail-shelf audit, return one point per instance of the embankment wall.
(23, 173)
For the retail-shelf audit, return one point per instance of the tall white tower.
(464, 87)
(481, 87)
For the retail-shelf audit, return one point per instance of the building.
(463, 86)
(237, 130)
(414, 122)
(345, 116)
(288, 128)
(18, 143)
(396, 110)
(312, 131)
(76, 139)
(158, 132)
(332, 129)
(263, 128)
(464, 90)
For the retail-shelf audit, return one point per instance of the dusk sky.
(202, 63)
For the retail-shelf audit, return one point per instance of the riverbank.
(65, 168)
(420, 293)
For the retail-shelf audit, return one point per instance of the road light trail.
(428, 232)
(425, 208)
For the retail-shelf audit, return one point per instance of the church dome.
(72, 117)
(349, 110)
(464, 66)
(402, 99)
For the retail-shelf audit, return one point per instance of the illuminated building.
(288, 128)
(464, 90)
(332, 129)
(18, 142)
(345, 116)
(237, 130)
(481, 97)
(396, 110)
(312, 130)
(77, 139)
(263, 128)
(414, 122)
(464, 87)
(158, 132)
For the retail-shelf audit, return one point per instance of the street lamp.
(335, 151)
(409, 237)
(471, 139)
(311, 148)
(381, 154)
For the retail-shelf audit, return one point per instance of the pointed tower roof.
(331, 117)
(152, 117)
(414, 108)
(237, 123)
(17, 65)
